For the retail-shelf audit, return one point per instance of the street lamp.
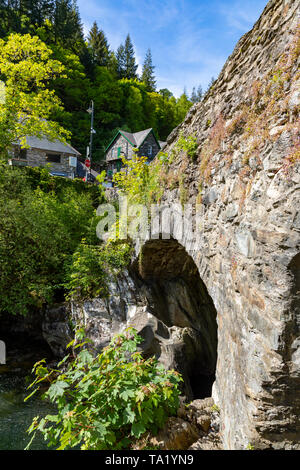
(91, 112)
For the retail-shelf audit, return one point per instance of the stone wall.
(126, 149)
(246, 177)
(244, 269)
(144, 148)
(38, 157)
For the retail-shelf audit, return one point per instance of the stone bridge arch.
(169, 280)
(248, 336)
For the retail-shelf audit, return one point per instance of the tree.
(182, 106)
(197, 96)
(165, 93)
(194, 98)
(199, 93)
(130, 64)
(98, 45)
(148, 72)
(67, 25)
(211, 83)
(27, 68)
(121, 61)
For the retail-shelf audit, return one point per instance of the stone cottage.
(62, 157)
(124, 143)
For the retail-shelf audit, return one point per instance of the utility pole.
(91, 112)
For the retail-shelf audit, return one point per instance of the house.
(61, 157)
(124, 143)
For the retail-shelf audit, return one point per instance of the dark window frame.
(20, 154)
(53, 157)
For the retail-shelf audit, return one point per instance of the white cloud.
(190, 40)
(242, 16)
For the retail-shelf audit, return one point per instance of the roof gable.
(141, 136)
(136, 139)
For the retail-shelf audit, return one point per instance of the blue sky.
(190, 40)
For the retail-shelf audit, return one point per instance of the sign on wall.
(73, 162)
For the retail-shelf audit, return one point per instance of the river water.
(15, 414)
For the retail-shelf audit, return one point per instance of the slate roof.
(136, 139)
(56, 146)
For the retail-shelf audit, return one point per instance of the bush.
(139, 180)
(188, 145)
(42, 221)
(90, 265)
(107, 401)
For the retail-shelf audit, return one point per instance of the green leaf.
(129, 416)
(137, 429)
(57, 389)
(101, 428)
(85, 356)
(127, 394)
(140, 395)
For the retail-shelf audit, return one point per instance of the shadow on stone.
(185, 335)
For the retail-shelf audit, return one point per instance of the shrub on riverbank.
(107, 401)
(43, 220)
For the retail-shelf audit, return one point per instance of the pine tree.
(197, 96)
(199, 93)
(98, 45)
(148, 72)
(112, 64)
(211, 83)
(121, 62)
(68, 28)
(194, 97)
(130, 64)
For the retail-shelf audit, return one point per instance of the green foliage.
(42, 221)
(197, 96)
(90, 265)
(188, 145)
(127, 66)
(107, 401)
(139, 180)
(27, 67)
(183, 192)
(99, 46)
(92, 71)
(148, 72)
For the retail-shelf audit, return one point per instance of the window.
(23, 154)
(53, 157)
(150, 151)
(20, 153)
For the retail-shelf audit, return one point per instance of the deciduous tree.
(27, 67)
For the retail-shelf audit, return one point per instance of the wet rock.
(56, 329)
